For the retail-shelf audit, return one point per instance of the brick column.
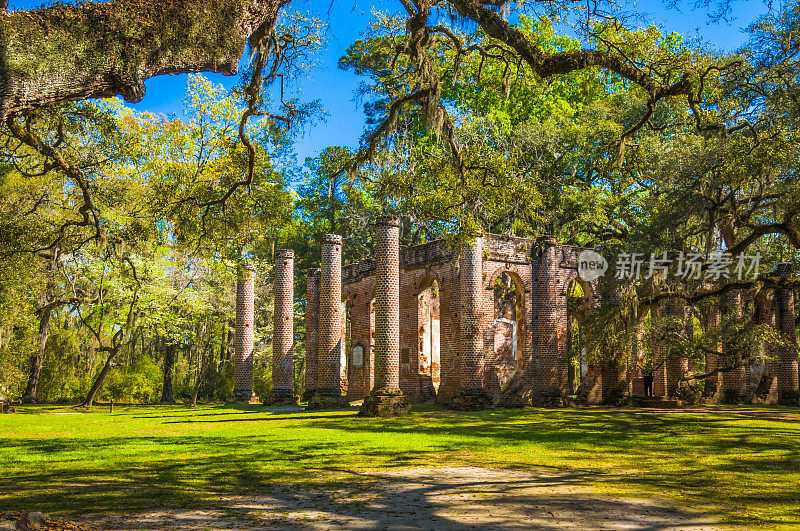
(471, 394)
(713, 385)
(735, 381)
(549, 322)
(387, 304)
(676, 365)
(660, 351)
(386, 399)
(243, 352)
(765, 390)
(283, 329)
(448, 336)
(329, 390)
(787, 357)
(312, 336)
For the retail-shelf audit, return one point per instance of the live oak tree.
(38, 204)
(125, 42)
(114, 46)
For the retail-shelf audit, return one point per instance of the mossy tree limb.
(65, 53)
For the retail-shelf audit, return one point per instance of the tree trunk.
(97, 50)
(203, 363)
(98, 382)
(224, 355)
(37, 360)
(167, 392)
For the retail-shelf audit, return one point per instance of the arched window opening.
(577, 303)
(508, 321)
(429, 348)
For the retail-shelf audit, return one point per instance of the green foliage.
(164, 271)
(536, 156)
(138, 383)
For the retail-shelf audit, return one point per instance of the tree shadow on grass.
(164, 496)
(706, 457)
(273, 416)
(284, 464)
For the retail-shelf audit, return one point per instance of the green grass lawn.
(742, 464)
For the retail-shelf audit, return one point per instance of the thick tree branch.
(548, 65)
(65, 53)
(88, 212)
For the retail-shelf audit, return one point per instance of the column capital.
(387, 221)
(245, 267)
(331, 239)
(546, 240)
(784, 269)
(284, 253)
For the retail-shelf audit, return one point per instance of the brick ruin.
(489, 324)
(467, 327)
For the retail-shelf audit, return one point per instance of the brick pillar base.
(386, 399)
(326, 399)
(614, 383)
(590, 390)
(385, 403)
(471, 399)
(278, 398)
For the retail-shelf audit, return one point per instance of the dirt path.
(426, 498)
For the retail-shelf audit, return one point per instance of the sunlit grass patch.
(743, 463)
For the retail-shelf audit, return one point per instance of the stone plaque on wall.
(358, 356)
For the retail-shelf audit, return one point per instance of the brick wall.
(477, 349)
(473, 312)
(361, 378)
(676, 365)
(787, 357)
(762, 377)
(476, 342)
(507, 304)
(713, 386)
(660, 351)
(510, 372)
(549, 320)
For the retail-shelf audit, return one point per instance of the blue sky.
(346, 21)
